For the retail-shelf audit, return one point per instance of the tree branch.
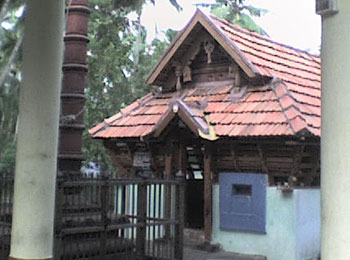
(11, 60)
(3, 10)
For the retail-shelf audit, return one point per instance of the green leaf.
(176, 5)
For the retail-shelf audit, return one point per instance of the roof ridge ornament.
(178, 73)
(211, 136)
(187, 72)
(209, 48)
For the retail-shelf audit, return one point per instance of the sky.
(292, 22)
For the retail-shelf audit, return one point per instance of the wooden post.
(168, 166)
(142, 214)
(39, 107)
(167, 201)
(104, 216)
(180, 197)
(207, 193)
(181, 153)
(58, 249)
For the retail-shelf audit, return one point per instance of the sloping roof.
(288, 105)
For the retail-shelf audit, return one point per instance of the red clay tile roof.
(289, 105)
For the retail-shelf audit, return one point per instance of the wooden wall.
(281, 159)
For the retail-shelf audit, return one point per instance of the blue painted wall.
(288, 220)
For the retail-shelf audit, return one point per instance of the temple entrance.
(194, 194)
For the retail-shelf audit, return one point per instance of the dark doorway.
(194, 196)
(194, 204)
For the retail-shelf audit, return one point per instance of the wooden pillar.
(167, 201)
(168, 166)
(141, 214)
(179, 238)
(39, 107)
(207, 192)
(181, 160)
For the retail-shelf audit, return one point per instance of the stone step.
(193, 236)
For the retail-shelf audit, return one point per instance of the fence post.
(58, 244)
(142, 214)
(180, 198)
(167, 195)
(104, 217)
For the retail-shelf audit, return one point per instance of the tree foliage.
(237, 12)
(119, 61)
(11, 35)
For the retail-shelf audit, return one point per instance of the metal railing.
(6, 201)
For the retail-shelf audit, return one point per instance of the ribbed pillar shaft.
(72, 97)
(35, 176)
(335, 143)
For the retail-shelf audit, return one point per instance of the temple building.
(237, 115)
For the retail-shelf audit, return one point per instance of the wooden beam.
(207, 193)
(115, 160)
(168, 166)
(180, 161)
(262, 159)
(163, 123)
(154, 166)
(170, 82)
(111, 149)
(312, 175)
(235, 159)
(298, 155)
(264, 166)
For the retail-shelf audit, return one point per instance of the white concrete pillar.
(335, 142)
(35, 176)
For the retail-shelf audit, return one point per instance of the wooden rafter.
(185, 113)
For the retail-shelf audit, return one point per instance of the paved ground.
(192, 252)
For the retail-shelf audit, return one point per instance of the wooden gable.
(201, 48)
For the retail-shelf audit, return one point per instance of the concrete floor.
(192, 252)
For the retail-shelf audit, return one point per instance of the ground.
(192, 252)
